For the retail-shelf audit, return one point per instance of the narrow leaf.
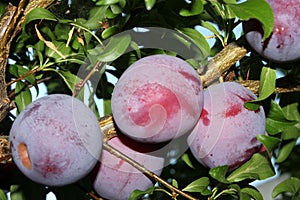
(70, 79)
(266, 87)
(186, 159)
(115, 48)
(39, 13)
(285, 151)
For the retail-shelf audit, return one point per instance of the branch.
(10, 26)
(221, 62)
(253, 85)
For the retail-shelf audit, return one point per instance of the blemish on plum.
(233, 110)
(204, 117)
(24, 156)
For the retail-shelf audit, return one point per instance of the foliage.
(55, 43)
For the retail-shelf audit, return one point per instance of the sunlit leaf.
(200, 185)
(258, 168)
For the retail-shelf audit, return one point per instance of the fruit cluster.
(157, 99)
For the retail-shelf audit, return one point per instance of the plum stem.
(144, 170)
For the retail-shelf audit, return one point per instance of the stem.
(142, 169)
(23, 76)
(81, 84)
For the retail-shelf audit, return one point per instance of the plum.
(157, 98)
(284, 43)
(226, 131)
(56, 140)
(116, 179)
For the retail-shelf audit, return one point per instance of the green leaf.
(291, 113)
(291, 185)
(250, 193)
(258, 167)
(70, 79)
(213, 29)
(285, 151)
(39, 13)
(23, 97)
(200, 185)
(186, 159)
(97, 15)
(199, 40)
(149, 4)
(137, 193)
(276, 120)
(219, 173)
(2, 195)
(269, 142)
(115, 48)
(195, 8)
(248, 10)
(266, 87)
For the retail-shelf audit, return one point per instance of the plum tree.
(284, 42)
(56, 140)
(116, 179)
(226, 132)
(157, 98)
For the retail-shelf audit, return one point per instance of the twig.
(23, 76)
(142, 169)
(90, 74)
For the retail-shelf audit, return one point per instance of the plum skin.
(157, 98)
(226, 132)
(284, 43)
(116, 179)
(56, 140)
